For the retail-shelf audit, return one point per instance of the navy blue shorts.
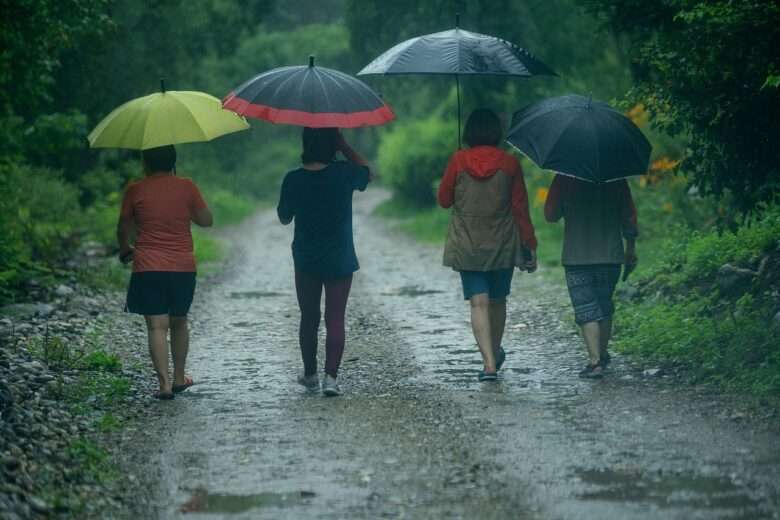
(496, 284)
(160, 292)
(591, 288)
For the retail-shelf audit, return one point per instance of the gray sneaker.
(330, 387)
(312, 382)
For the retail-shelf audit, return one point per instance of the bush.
(725, 338)
(413, 156)
(39, 213)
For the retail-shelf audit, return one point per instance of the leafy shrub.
(101, 360)
(38, 215)
(413, 156)
(722, 338)
(228, 207)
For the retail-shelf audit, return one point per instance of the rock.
(38, 504)
(64, 291)
(734, 280)
(6, 397)
(652, 372)
(23, 311)
(776, 320)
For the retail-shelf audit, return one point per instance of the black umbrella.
(458, 53)
(309, 96)
(576, 136)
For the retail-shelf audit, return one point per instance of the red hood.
(482, 161)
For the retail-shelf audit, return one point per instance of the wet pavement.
(415, 435)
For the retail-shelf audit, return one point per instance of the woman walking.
(318, 195)
(490, 231)
(160, 208)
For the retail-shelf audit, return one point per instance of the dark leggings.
(309, 290)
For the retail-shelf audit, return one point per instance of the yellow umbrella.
(163, 118)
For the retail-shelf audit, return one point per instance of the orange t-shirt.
(162, 207)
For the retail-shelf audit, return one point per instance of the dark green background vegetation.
(700, 77)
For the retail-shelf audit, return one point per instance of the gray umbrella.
(576, 136)
(458, 53)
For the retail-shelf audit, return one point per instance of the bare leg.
(497, 312)
(480, 324)
(591, 331)
(157, 326)
(180, 346)
(605, 334)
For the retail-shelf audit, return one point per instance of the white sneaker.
(312, 382)
(330, 387)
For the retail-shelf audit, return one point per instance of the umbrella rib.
(143, 115)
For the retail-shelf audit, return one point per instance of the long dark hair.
(483, 127)
(319, 144)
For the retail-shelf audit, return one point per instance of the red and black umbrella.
(309, 96)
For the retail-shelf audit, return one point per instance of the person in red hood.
(490, 230)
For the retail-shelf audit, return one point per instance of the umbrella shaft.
(457, 88)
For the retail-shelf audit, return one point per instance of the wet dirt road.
(415, 435)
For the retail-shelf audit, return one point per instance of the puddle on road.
(204, 502)
(254, 294)
(411, 291)
(666, 490)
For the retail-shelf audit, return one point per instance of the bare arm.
(124, 229)
(553, 209)
(203, 217)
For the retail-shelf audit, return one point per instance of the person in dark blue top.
(318, 196)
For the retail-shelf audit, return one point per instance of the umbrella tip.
(311, 60)
(162, 85)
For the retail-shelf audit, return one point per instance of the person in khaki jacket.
(490, 230)
(597, 219)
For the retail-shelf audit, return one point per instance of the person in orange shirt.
(490, 231)
(160, 208)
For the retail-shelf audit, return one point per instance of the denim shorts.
(496, 284)
(591, 288)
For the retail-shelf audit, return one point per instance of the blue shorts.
(496, 284)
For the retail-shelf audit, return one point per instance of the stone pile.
(36, 428)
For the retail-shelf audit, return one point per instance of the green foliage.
(682, 318)
(100, 360)
(413, 156)
(92, 461)
(426, 225)
(704, 69)
(693, 257)
(37, 215)
(228, 207)
(208, 249)
(33, 36)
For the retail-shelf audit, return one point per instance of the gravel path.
(415, 435)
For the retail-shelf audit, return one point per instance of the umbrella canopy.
(457, 53)
(311, 96)
(171, 117)
(576, 136)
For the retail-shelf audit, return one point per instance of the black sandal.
(592, 371)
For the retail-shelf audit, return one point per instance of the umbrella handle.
(457, 88)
